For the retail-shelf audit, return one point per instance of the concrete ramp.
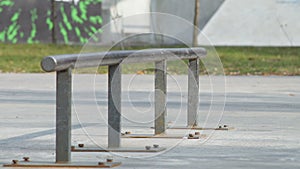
(254, 23)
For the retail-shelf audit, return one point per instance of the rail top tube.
(62, 62)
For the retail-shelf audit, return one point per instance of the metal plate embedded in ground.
(57, 165)
(129, 149)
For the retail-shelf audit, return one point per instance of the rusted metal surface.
(162, 136)
(15, 161)
(146, 149)
(34, 164)
(127, 132)
(109, 160)
(201, 128)
(72, 148)
(62, 165)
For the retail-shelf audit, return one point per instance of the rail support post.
(63, 115)
(114, 106)
(160, 96)
(193, 92)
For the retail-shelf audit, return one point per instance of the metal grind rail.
(63, 65)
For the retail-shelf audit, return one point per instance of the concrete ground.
(264, 111)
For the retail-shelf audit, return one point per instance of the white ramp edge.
(254, 23)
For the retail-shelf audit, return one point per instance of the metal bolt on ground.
(26, 159)
(148, 147)
(192, 136)
(101, 163)
(109, 160)
(72, 148)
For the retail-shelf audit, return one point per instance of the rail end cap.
(48, 64)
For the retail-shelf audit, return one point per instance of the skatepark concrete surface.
(264, 111)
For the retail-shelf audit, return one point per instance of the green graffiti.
(65, 18)
(95, 38)
(49, 21)
(64, 32)
(91, 34)
(100, 31)
(79, 22)
(96, 1)
(96, 19)
(88, 32)
(14, 27)
(34, 17)
(77, 30)
(2, 36)
(6, 3)
(15, 40)
(82, 7)
(12, 31)
(88, 2)
(93, 29)
(78, 33)
(21, 34)
(74, 15)
(11, 28)
(15, 17)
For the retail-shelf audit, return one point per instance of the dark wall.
(31, 21)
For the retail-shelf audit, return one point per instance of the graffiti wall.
(47, 21)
